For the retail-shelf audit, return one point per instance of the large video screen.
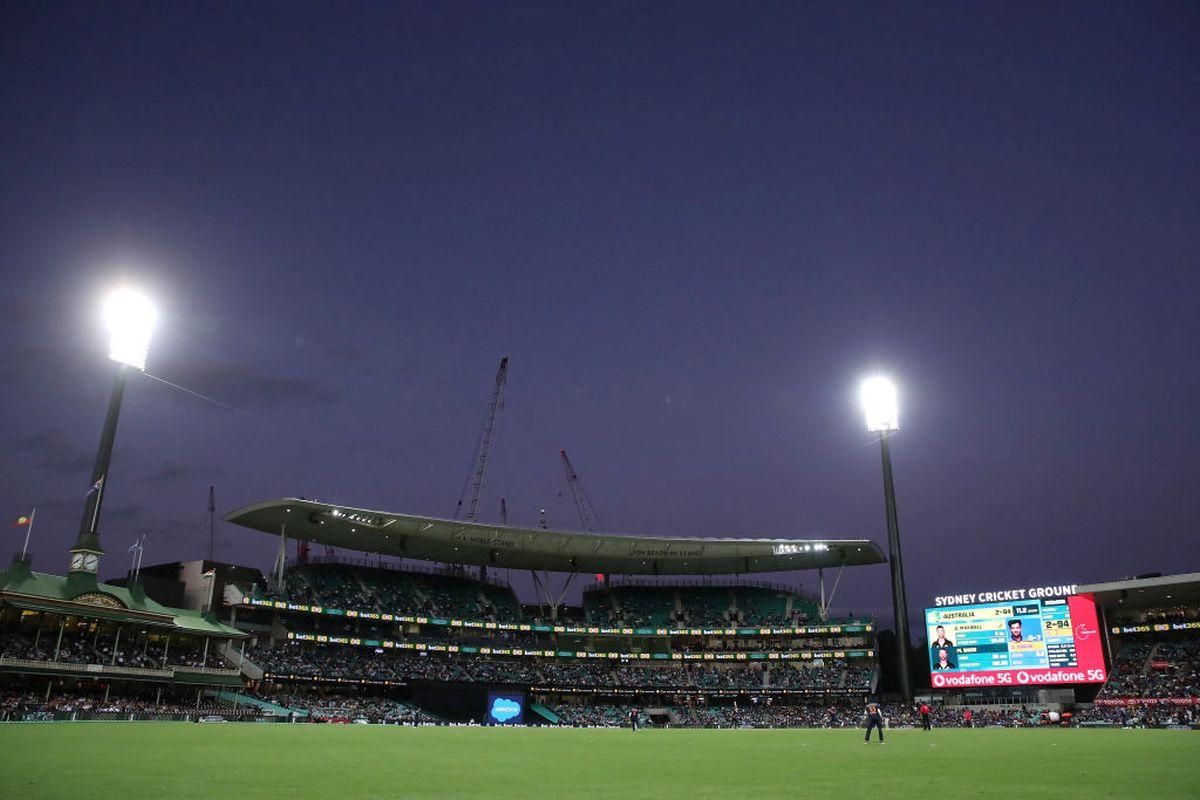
(505, 708)
(1043, 642)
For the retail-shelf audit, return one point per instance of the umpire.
(874, 720)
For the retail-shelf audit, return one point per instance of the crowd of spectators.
(18, 705)
(1155, 669)
(333, 706)
(1165, 615)
(351, 663)
(82, 646)
(787, 676)
(696, 606)
(771, 712)
(395, 591)
(1135, 716)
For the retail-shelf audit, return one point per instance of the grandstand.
(407, 641)
(423, 640)
(76, 637)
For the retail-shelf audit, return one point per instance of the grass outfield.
(179, 760)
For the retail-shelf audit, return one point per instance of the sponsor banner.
(1049, 676)
(1148, 701)
(693, 691)
(1158, 627)
(437, 647)
(285, 676)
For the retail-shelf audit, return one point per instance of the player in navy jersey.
(874, 720)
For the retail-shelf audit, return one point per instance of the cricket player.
(874, 720)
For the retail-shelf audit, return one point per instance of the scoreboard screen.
(1041, 641)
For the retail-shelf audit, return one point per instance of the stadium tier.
(684, 606)
(338, 639)
(77, 628)
(291, 662)
(399, 592)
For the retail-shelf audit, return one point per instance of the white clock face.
(91, 561)
(76, 560)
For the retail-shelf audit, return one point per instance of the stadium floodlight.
(878, 395)
(130, 318)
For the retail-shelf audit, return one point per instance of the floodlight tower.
(878, 396)
(130, 318)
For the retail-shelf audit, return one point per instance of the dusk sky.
(693, 227)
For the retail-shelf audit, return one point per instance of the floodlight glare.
(878, 396)
(130, 318)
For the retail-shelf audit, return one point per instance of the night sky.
(693, 227)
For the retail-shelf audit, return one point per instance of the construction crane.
(468, 501)
(589, 520)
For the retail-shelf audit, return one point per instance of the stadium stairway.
(249, 669)
(545, 713)
(237, 698)
(1151, 657)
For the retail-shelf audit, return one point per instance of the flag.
(22, 521)
(97, 486)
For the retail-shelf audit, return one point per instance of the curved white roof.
(454, 541)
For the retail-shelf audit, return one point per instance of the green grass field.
(179, 760)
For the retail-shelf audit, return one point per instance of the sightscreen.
(1042, 642)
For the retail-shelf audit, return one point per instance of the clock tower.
(85, 563)
(85, 557)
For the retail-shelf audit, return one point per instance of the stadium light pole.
(878, 395)
(129, 317)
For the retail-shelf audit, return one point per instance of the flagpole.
(96, 508)
(212, 584)
(28, 531)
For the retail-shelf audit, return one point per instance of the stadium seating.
(346, 704)
(345, 707)
(80, 646)
(705, 606)
(633, 606)
(659, 605)
(1155, 668)
(344, 586)
(758, 606)
(351, 663)
(18, 704)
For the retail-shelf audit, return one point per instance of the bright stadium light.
(878, 395)
(130, 318)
